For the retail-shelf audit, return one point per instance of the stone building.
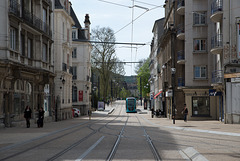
(81, 64)
(200, 60)
(26, 59)
(63, 23)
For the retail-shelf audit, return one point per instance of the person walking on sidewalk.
(185, 112)
(89, 113)
(40, 117)
(27, 115)
(152, 112)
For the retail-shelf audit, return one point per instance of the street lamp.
(173, 72)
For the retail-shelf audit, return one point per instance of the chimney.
(87, 26)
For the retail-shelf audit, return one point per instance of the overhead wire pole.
(132, 32)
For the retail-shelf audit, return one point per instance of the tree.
(144, 74)
(139, 65)
(104, 57)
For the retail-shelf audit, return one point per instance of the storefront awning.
(157, 94)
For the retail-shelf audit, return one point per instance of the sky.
(118, 15)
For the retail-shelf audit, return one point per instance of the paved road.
(117, 135)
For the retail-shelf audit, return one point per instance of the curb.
(112, 109)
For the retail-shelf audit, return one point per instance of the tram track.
(149, 140)
(86, 124)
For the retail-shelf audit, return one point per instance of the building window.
(200, 106)
(29, 48)
(74, 72)
(22, 45)
(199, 45)
(44, 53)
(199, 18)
(74, 35)
(13, 38)
(74, 53)
(200, 72)
(74, 94)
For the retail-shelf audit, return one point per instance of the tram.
(131, 104)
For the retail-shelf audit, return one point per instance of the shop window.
(200, 106)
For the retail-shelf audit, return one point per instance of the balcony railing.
(29, 17)
(217, 41)
(181, 82)
(217, 77)
(216, 6)
(14, 8)
(180, 55)
(180, 29)
(181, 3)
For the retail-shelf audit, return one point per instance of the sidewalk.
(210, 126)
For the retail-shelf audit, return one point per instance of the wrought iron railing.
(181, 3)
(217, 41)
(180, 55)
(216, 6)
(217, 76)
(180, 29)
(29, 17)
(14, 7)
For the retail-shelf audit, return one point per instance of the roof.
(77, 25)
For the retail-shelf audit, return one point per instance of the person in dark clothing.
(27, 115)
(152, 112)
(40, 117)
(185, 112)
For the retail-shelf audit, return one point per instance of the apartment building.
(200, 59)
(225, 16)
(156, 75)
(26, 59)
(81, 64)
(63, 23)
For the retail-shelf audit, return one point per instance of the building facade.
(224, 14)
(81, 64)
(26, 59)
(200, 59)
(63, 23)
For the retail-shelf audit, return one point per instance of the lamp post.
(173, 71)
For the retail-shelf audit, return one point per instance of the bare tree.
(104, 58)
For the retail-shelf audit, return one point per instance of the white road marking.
(89, 149)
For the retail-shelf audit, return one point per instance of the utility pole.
(141, 90)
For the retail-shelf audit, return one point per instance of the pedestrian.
(27, 115)
(89, 113)
(40, 117)
(185, 112)
(152, 112)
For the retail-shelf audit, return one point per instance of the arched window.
(28, 88)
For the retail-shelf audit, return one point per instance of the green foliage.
(144, 74)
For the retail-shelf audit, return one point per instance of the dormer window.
(74, 34)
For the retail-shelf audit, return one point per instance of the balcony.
(217, 44)
(14, 8)
(217, 77)
(180, 32)
(217, 11)
(28, 17)
(181, 82)
(181, 7)
(181, 57)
